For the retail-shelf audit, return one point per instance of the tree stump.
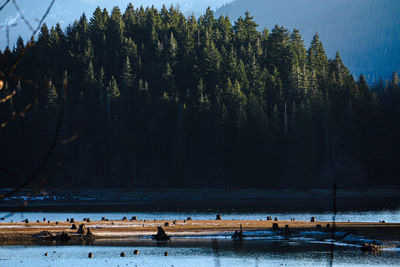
(82, 230)
(275, 226)
(161, 235)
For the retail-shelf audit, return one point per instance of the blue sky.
(66, 11)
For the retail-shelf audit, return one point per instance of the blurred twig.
(4, 5)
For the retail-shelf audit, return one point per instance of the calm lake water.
(203, 251)
(196, 252)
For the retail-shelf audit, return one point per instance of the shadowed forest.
(158, 99)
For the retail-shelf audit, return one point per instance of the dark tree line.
(161, 100)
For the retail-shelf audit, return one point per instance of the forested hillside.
(366, 32)
(158, 99)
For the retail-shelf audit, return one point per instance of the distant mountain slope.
(366, 32)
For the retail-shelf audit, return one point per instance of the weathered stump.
(82, 230)
(286, 231)
(89, 234)
(238, 235)
(161, 235)
(63, 237)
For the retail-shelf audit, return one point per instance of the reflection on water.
(194, 252)
(365, 216)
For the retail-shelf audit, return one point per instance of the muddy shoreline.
(22, 232)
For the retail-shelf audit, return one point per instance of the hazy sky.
(66, 11)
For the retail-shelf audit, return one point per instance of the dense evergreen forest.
(366, 32)
(163, 100)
